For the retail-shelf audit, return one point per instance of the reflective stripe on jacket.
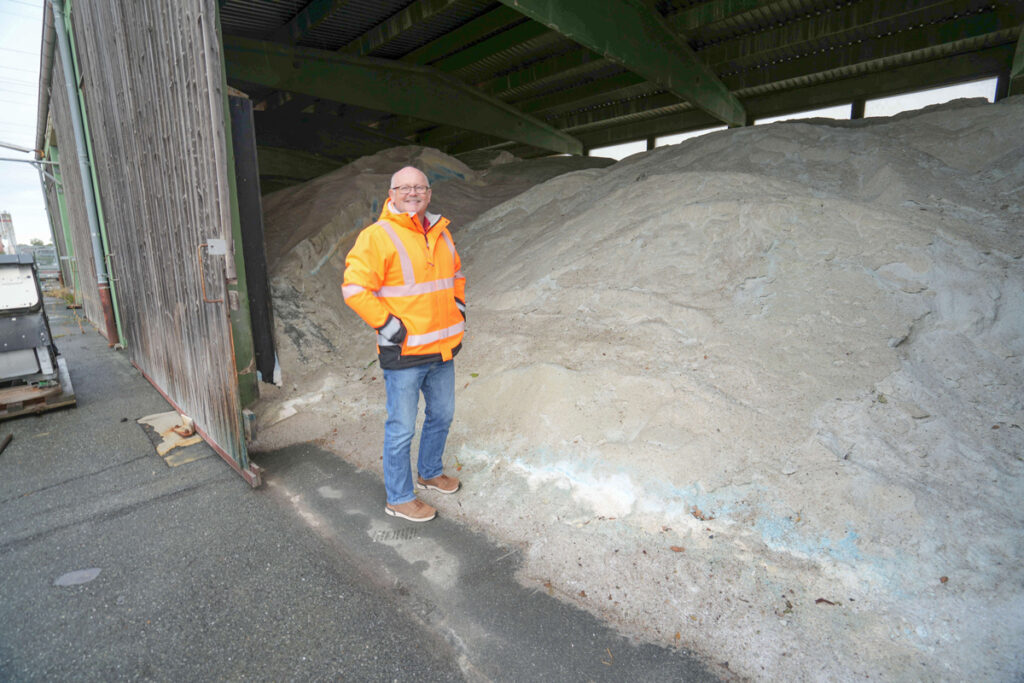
(395, 269)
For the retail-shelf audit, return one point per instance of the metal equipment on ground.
(33, 375)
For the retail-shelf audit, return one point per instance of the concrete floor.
(202, 578)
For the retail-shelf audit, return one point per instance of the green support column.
(1016, 86)
(53, 154)
(238, 290)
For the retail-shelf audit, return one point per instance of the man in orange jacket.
(404, 279)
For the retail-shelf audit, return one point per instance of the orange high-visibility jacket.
(394, 269)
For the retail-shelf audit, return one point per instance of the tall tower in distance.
(8, 244)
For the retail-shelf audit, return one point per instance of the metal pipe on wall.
(78, 129)
(45, 78)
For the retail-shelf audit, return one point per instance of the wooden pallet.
(28, 400)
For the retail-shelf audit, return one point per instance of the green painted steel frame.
(396, 25)
(242, 347)
(632, 34)
(948, 71)
(1017, 69)
(311, 16)
(471, 32)
(395, 87)
(52, 152)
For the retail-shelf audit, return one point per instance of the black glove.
(461, 305)
(391, 333)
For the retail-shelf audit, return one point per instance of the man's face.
(413, 201)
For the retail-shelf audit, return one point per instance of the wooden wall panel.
(152, 78)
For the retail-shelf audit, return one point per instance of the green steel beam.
(577, 96)
(528, 30)
(390, 29)
(870, 32)
(863, 18)
(1017, 69)
(629, 33)
(538, 73)
(562, 65)
(324, 134)
(758, 75)
(711, 13)
(311, 16)
(290, 163)
(396, 25)
(445, 139)
(617, 110)
(939, 73)
(281, 100)
(987, 27)
(466, 34)
(394, 87)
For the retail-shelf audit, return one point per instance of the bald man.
(404, 279)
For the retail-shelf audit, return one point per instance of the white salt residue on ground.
(757, 394)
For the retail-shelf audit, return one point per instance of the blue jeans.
(437, 382)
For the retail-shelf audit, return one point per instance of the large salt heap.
(758, 394)
(310, 228)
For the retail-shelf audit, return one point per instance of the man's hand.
(461, 305)
(391, 333)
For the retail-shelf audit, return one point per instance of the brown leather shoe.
(442, 483)
(414, 510)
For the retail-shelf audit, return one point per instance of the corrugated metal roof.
(433, 28)
(527, 52)
(796, 48)
(257, 18)
(352, 20)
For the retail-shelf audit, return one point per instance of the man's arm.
(460, 284)
(365, 267)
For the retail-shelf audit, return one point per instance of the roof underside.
(344, 78)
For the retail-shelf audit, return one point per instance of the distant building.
(8, 244)
(45, 258)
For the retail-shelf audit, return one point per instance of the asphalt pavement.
(116, 566)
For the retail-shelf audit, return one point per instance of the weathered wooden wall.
(74, 199)
(152, 78)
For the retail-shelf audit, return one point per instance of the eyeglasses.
(406, 189)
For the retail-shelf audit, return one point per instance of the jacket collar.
(390, 212)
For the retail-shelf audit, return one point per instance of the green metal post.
(53, 154)
(238, 290)
(95, 180)
(1016, 86)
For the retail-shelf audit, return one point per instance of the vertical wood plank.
(151, 77)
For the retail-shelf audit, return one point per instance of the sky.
(881, 106)
(21, 37)
(21, 28)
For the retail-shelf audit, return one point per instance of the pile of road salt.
(757, 394)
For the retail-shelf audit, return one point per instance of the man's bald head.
(410, 191)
